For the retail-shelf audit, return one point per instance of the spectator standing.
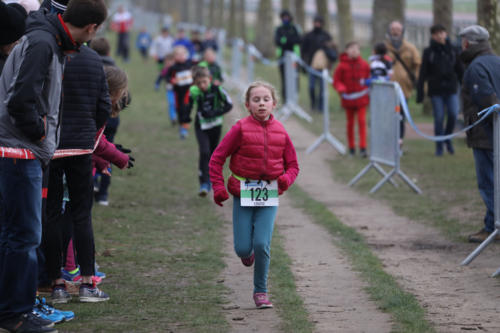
(317, 51)
(286, 38)
(122, 22)
(480, 89)
(30, 90)
(406, 63)
(442, 69)
(162, 46)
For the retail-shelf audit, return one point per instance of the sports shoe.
(47, 312)
(42, 304)
(100, 275)
(104, 203)
(60, 294)
(481, 236)
(183, 133)
(27, 322)
(73, 277)
(248, 261)
(91, 294)
(204, 189)
(262, 301)
(363, 153)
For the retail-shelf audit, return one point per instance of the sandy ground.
(424, 263)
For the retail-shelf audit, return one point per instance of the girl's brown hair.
(264, 84)
(117, 84)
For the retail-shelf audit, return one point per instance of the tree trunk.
(488, 16)
(264, 29)
(322, 9)
(344, 16)
(231, 29)
(220, 14)
(211, 14)
(242, 20)
(285, 4)
(185, 11)
(300, 15)
(442, 11)
(199, 12)
(384, 12)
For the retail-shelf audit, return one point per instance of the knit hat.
(58, 6)
(475, 33)
(12, 22)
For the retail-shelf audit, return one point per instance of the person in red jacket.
(349, 80)
(263, 164)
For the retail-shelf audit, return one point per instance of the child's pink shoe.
(248, 261)
(262, 301)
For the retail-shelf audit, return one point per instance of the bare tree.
(211, 13)
(242, 20)
(300, 15)
(285, 4)
(442, 11)
(264, 30)
(488, 16)
(322, 9)
(219, 14)
(384, 12)
(231, 28)
(345, 24)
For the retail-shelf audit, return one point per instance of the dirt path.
(333, 294)
(425, 263)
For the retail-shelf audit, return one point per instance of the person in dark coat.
(286, 38)
(480, 89)
(317, 40)
(442, 69)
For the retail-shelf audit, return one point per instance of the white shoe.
(104, 203)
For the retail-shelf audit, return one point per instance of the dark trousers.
(123, 45)
(110, 132)
(78, 171)
(20, 233)
(483, 160)
(207, 142)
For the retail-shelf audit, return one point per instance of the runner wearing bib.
(263, 165)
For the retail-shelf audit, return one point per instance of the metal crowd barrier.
(384, 135)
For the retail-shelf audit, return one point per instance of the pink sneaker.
(262, 301)
(248, 261)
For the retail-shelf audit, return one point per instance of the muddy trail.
(423, 261)
(332, 292)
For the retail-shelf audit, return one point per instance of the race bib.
(183, 78)
(259, 193)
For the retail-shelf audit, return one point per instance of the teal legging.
(253, 231)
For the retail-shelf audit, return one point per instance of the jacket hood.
(475, 50)
(44, 20)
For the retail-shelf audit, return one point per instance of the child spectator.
(380, 63)
(143, 42)
(209, 61)
(210, 103)
(263, 161)
(170, 95)
(348, 79)
(179, 75)
(161, 47)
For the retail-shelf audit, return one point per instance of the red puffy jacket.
(348, 79)
(258, 150)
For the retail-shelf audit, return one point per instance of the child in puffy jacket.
(349, 81)
(263, 164)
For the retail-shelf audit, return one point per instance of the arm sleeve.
(291, 163)
(228, 146)
(337, 81)
(23, 106)
(422, 76)
(478, 83)
(103, 103)
(108, 151)
(227, 103)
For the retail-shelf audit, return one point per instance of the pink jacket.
(107, 152)
(258, 150)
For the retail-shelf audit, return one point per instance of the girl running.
(263, 164)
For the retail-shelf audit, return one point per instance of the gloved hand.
(283, 183)
(131, 161)
(220, 196)
(122, 149)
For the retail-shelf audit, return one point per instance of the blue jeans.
(438, 105)
(253, 231)
(483, 159)
(20, 234)
(172, 111)
(316, 104)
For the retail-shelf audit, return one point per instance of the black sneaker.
(27, 323)
(363, 153)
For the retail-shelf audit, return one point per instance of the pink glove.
(283, 183)
(220, 196)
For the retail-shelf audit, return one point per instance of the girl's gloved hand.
(283, 183)
(220, 196)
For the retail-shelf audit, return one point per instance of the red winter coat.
(258, 150)
(348, 78)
